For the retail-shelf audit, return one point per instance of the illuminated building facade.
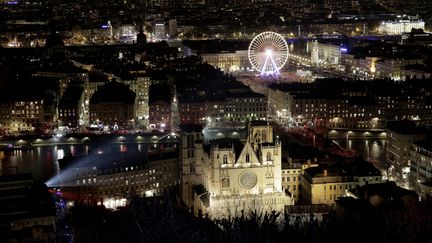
(160, 115)
(379, 67)
(400, 26)
(127, 33)
(401, 135)
(291, 177)
(111, 181)
(140, 86)
(236, 105)
(226, 176)
(90, 87)
(324, 185)
(159, 29)
(334, 112)
(243, 107)
(352, 105)
(21, 114)
(324, 54)
(229, 62)
(193, 112)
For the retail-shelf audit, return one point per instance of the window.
(247, 158)
(190, 153)
(225, 159)
(190, 141)
(268, 156)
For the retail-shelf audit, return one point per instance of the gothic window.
(192, 168)
(247, 158)
(264, 136)
(225, 159)
(190, 141)
(268, 156)
(257, 137)
(190, 153)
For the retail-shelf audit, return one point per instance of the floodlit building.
(229, 61)
(401, 25)
(111, 179)
(21, 114)
(227, 176)
(160, 115)
(140, 86)
(291, 177)
(324, 54)
(325, 184)
(335, 104)
(127, 33)
(159, 29)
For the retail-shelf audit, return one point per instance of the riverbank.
(356, 133)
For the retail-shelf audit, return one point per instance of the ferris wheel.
(268, 53)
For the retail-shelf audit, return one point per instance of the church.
(227, 177)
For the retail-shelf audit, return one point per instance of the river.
(42, 161)
(370, 148)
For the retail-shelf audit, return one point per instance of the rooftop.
(388, 191)
(404, 127)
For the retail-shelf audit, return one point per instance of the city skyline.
(215, 121)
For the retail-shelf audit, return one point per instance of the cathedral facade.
(228, 177)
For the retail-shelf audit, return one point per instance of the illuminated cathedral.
(228, 177)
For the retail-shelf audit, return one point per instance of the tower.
(141, 38)
(191, 156)
(314, 53)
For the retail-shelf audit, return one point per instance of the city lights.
(204, 121)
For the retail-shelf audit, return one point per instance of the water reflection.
(372, 149)
(43, 161)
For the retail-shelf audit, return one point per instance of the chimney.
(325, 172)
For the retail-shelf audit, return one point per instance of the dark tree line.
(165, 220)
